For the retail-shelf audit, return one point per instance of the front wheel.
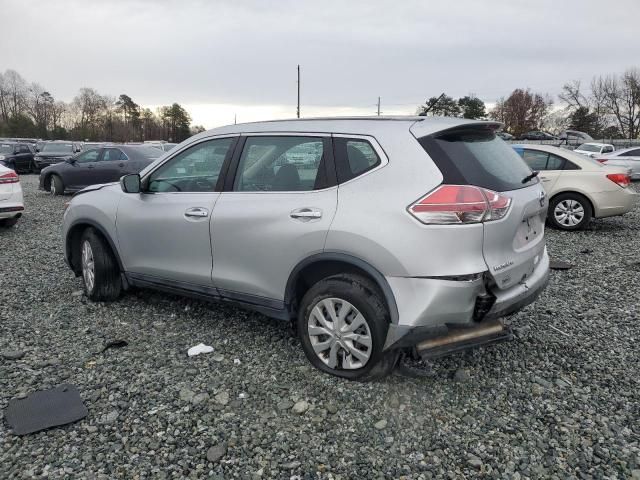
(570, 211)
(100, 271)
(55, 185)
(342, 324)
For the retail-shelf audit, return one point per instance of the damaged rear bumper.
(433, 308)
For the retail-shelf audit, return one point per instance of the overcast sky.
(224, 57)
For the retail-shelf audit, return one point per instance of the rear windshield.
(477, 157)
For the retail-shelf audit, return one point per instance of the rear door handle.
(197, 212)
(306, 213)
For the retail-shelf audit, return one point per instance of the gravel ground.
(560, 401)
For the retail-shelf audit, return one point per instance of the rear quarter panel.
(372, 222)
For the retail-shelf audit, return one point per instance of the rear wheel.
(8, 222)
(342, 324)
(55, 185)
(100, 271)
(570, 211)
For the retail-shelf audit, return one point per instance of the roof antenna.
(431, 105)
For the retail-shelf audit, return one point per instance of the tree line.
(608, 108)
(27, 110)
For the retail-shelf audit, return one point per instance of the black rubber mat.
(45, 409)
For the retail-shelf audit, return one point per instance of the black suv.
(17, 156)
(54, 152)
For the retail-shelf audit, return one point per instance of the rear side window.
(472, 156)
(353, 157)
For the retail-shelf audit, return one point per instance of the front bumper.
(429, 307)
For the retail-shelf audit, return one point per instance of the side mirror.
(130, 183)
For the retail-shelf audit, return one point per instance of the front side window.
(24, 149)
(88, 156)
(193, 170)
(281, 164)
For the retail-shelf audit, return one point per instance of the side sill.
(267, 306)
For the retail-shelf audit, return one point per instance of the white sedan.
(11, 203)
(579, 188)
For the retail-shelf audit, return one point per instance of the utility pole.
(235, 118)
(298, 109)
(378, 106)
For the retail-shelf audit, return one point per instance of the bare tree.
(621, 96)
(522, 111)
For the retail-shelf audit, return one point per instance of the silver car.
(628, 157)
(393, 235)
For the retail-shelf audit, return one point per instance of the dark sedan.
(537, 135)
(99, 165)
(54, 152)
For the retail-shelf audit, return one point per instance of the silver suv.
(370, 235)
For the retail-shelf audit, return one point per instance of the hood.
(53, 155)
(92, 188)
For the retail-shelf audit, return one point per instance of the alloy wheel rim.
(88, 266)
(339, 334)
(569, 213)
(52, 186)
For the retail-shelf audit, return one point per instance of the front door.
(276, 213)
(164, 232)
(82, 169)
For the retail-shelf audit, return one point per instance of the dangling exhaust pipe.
(463, 338)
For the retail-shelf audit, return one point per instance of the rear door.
(275, 211)
(538, 161)
(111, 166)
(472, 155)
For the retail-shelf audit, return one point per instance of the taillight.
(602, 160)
(9, 177)
(460, 204)
(621, 179)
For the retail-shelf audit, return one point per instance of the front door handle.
(306, 213)
(197, 212)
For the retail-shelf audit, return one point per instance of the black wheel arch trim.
(379, 279)
(101, 230)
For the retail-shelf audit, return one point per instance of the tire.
(8, 222)
(100, 272)
(569, 211)
(55, 185)
(357, 295)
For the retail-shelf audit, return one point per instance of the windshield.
(6, 148)
(588, 147)
(470, 156)
(57, 148)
